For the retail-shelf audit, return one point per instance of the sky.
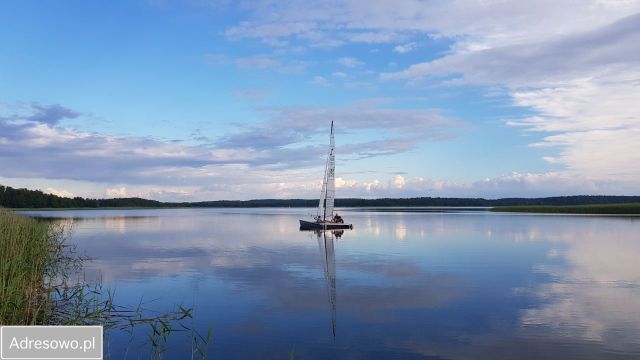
(212, 99)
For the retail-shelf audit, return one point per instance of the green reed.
(29, 250)
(604, 209)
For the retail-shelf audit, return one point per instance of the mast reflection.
(326, 247)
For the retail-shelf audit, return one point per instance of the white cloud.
(592, 122)
(319, 80)
(257, 62)
(405, 48)
(511, 185)
(474, 24)
(118, 192)
(342, 183)
(582, 79)
(608, 50)
(349, 62)
(274, 30)
(375, 37)
(398, 181)
(62, 193)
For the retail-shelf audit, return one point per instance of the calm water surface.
(400, 285)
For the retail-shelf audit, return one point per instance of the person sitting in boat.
(337, 219)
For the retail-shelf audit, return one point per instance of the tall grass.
(28, 252)
(604, 209)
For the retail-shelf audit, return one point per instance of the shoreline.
(624, 209)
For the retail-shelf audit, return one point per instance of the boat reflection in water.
(328, 257)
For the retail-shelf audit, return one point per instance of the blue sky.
(197, 100)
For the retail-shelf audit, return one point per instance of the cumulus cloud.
(398, 181)
(62, 193)
(118, 192)
(510, 185)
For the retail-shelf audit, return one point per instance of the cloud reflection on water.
(597, 296)
(457, 286)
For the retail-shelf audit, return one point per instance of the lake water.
(400, 285)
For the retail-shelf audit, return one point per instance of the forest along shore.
(35, 199)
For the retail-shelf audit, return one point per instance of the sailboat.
(325, 217)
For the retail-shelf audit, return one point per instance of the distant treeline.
(421, 201)
(23, 198)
